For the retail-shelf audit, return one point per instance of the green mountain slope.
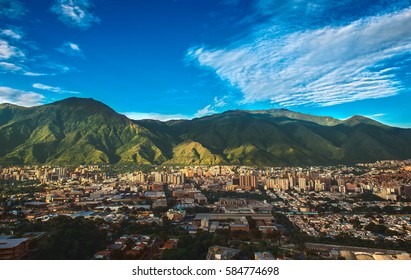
(77, 131)
(189, 152)
(71, 131)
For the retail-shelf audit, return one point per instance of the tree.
(71, 239)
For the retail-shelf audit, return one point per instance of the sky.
(171, 59)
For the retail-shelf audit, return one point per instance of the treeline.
(67, 238)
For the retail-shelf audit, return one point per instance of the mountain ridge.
(77, 131)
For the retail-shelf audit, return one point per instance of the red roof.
(104, 253)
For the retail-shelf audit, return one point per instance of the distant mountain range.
(77, 131)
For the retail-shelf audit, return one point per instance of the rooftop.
(11, 243)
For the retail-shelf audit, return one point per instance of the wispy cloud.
(207, 110)
(12, 9)
(13, 33)
(322, 67)
(20, 97)
(10, 67)
(10, 56)
(16, 68)
(70, 48)
(294, 14)
(154, 116)
(54, 89)
(35, 74)
(58, 68)
(14, 60)
(75, 13)
(7, 51)
(219, 102)
(21, 69)
(376, 115)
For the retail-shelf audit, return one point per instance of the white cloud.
(75, 13)
(270, 7)
(7, 51)
(18, 69)
(207, 110)
(74, 47)
(325, 66)
(20, 97)
(14, 60)
(376, 115)
(58, 68)
(220, 102)
(70, 48)
(11, 9)
(21, 69)
(154, 116)
(13, 34)
(10, 66)
(34, 74)
(53, 89)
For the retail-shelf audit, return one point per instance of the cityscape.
(206, 212)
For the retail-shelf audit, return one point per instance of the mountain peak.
(296, 116)
(5, 105)
(358, 119)
(78, 103)
(279, 110)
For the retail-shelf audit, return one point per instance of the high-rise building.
(302, 182)
(158, 177)
(248, 181)
(318, 186)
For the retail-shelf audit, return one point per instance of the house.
(13, 248)
(102, 255)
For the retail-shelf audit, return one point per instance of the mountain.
(77, 131)
(73, 131)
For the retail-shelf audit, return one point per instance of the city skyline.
(358, 212)
(185, 59)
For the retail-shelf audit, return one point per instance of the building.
(14, 248)
(240, 225)
(277, 183)
(154, 195)
(263, 256)
(200, 198)
(102, 255)
(158, 177)
(232, 202)
(157, 187)
(221, 253)
(176, 215)
(302, 183)
(248, 181)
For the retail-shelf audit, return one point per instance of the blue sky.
(189, 58)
